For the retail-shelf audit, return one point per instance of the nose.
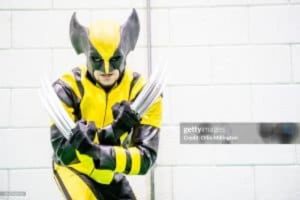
(106, 66)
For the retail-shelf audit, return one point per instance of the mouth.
(106, 75)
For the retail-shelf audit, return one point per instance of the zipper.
(106, 102)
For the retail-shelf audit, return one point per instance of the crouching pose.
(109, 139)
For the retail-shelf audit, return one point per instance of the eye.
(97, 59)
(115, 59)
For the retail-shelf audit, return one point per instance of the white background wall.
(234, 61)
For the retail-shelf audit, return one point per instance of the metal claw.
(151, 91)
(55, 109)
(55, 117)
(151, 97)
(54, 105)
(146, 90)
(154, 93)
(58, 103)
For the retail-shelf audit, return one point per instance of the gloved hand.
(124, 118)
(83, 134)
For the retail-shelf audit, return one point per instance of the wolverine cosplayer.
(109, 139)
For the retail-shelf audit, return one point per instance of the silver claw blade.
(155, 93)
(151, 91)
(57, 104)
(147, 88)
(55, 109)
(57, 120)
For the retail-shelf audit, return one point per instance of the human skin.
(107, 79)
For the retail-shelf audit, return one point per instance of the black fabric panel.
(68, 96)
(146, 139)
(136, 77)
(119, 189)
(107, 137)
(64, 152)
(77, 74)
(103, 156)
(128, 163)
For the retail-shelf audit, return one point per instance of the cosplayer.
(109, 139)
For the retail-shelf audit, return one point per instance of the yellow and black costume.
(109, 140)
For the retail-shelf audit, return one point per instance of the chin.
(106, 83)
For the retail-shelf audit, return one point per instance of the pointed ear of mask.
(130, 32)
(78, 35)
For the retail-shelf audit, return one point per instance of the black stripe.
(64, 92)
(68, 96)
(135, 78)
(64, 189)
(77, 74)
(128, 162)
(146, 138)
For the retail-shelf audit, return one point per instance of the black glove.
(125, 118)
(83, 134)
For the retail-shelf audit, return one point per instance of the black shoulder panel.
(67, 96)
(136, 77)
(77, 74)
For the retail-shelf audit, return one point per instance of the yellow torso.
(96, 105)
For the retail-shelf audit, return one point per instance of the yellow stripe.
(137, 87)
(69, 79)
(153, 115)
(106, 66)
(123, 137)
(75, 186)
(120, 159)
(103, 176)
(135, 160)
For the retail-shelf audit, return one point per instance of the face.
(106, 72)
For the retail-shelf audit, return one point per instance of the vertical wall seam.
(172, 181)
(8, 181)
(254, 182)
(10, 109)
(149, 71)
(296, 157)
(292, 75)
(251, 102)
(11, 29)
(248, 21)
(149, 41)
